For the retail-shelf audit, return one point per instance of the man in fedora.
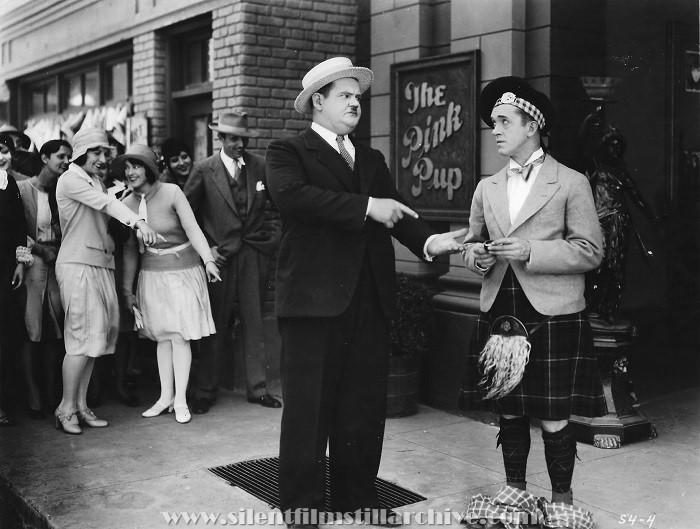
(335, 294)
(533, 233)
(228, 196)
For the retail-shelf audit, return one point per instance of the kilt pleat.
(561, 379)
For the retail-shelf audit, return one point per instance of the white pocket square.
(259, 186)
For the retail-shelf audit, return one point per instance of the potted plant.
(411, 334)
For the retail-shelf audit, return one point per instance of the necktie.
(236, 171)
(525, 170)
(344, 152)
(144, 215)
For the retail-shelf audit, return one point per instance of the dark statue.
(612, 186)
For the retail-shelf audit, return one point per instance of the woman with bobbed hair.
(85, 272)
(8, 151)
(177, 158)
(172, 300)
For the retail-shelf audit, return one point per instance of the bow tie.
(525, 170)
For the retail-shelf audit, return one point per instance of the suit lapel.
(251, 182)
(220, 177)
(497, 193)
(331, 159)
(542, 190)
(366, 164)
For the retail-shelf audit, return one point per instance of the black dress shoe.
(266, 400)
(37, 415)
(6, 421)
(201, 405)
(129, 400)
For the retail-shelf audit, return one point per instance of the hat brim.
(496, 88)
(79, 153)
(243, 133)
(119, 163)
(364, 77)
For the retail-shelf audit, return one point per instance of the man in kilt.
(539, 223)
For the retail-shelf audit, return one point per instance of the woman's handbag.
(505, 355)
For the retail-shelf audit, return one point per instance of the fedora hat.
(235, 123)
(327, 72)
(515, 91)
(140, 153)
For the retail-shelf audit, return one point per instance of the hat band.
(530, 109)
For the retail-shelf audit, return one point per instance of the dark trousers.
(334, 377)
(243, 285)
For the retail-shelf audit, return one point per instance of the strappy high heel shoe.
(64, 422)
(182, 414)
(157, 409)
(88, 417)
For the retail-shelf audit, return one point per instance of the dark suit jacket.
(324, 232)
(209, 194)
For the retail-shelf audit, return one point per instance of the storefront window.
(44, 98)
(117, 81)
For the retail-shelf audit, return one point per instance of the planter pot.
(403, 385)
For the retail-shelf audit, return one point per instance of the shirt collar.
(515, 165)
(230, 161)
(83, 174)
(328, 135)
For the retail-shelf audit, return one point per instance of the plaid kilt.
(561, 379)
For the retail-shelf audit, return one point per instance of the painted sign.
(434, 134)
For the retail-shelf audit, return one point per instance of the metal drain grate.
(259, 478)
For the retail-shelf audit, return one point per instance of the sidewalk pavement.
(131, 473)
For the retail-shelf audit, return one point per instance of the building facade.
(149, 69)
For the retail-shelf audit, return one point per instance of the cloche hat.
(326, 72)
(86, 139)
(140, 153)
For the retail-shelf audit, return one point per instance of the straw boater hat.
(327, 72)
(86, 139)
(235, 123)
(515, 91)
(140, 153)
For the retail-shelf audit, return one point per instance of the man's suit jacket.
(209, 194)
(325, 236)
(558, 219)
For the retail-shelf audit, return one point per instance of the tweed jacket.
(559, 221)
(326, 239)
(209, 194)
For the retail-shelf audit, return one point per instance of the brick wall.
(263, 48)
(148, 74)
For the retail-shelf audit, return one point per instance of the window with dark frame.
(98, 82)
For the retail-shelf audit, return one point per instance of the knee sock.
(514, 438)
(560, 454)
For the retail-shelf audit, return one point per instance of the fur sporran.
(505, 355)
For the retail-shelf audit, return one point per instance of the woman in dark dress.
(13, 235)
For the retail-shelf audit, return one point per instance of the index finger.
(408, 210)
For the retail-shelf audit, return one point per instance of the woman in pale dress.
(171, 298)
(85, 273)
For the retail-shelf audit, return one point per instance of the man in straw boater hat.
(228, 196)
(533, 233)
(335, 294)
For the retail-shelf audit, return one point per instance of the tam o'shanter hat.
(86, 139)
(327, 72)
(235, 123)
(140, 153)
(515, 91)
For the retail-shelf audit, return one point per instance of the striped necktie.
(344, 152)
(525, 170)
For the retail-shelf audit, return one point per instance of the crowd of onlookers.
(61, 310)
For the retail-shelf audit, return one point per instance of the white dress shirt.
(518, 188)
(233, 165)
